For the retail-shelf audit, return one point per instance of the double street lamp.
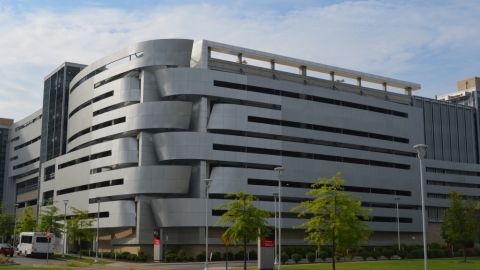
(275, 195)
(421, 151)
(207, 186)
(280, 171)
(65, 202)
(398, 222)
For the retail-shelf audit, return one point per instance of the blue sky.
(434, 43)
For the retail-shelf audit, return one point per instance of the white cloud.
(388, 38)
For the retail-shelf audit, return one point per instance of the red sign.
(156, 241)
(48, 234)
(267, 243)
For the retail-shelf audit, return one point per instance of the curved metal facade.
(147, 123)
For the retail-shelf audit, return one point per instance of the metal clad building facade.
(147, 123)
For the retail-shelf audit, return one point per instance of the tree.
(79, 227)
(245, 222)
(460, 224)
(7, 223)
(49, 219)
(27, 222)
(334, 217)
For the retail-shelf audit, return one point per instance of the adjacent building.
(131, 136)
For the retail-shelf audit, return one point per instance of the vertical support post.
(332, 76)
(65, 202)
(384, 86)
(209, 52)
(98, 229)
(421, 151)
(275, 227)
(272, 64)
(408, 91)
(398, 223)
(302, 70)
(207, 185)
(279, 170)
(359, 81)
(240, 58)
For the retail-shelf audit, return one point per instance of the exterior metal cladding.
(147, 123)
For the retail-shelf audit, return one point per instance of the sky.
(434, 43)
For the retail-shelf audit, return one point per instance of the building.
(21, 182)
(5, 125)
(144, 125)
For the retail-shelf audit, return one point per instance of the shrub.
(170, 255)
(180, 256)
(415, 254)
(323, 254)
(230, 256)
(131, 257)
(365, 254)
(4, 259)
(200, 257)
(252, 254)
(239, 256)
(388, 252)
(437, 253)
(216, 256)
(284, 257)
(310, 257)
(142, 257)
(296, 257)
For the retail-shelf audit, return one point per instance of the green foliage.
(79, 227)
(460, 225)
(336, 217)
(6, 223)
(27, 222)
(49, 219)
(245, 222)
(200, 257)
(310, 257)
(296, 257)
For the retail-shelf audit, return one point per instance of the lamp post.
(398, 223)
(98, 228)
(207, 186)
(275, 194)
(280, 171)
(14, 224)
(65, 202)
(421, 151)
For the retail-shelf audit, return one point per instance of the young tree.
(245, 221)
(460, 224)
(79, 227)
(6, 224)
(334, 217)
(49, 219)
(27, 222)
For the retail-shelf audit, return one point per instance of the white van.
(34, 243)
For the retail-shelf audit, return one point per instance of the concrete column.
(240, 58)
(332, 76)
(384, 86)
(272, 64)
(408, 91)
(209, 52)
(302, 70)
(359, 81)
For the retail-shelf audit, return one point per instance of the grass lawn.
(435, 264)
(35, 267)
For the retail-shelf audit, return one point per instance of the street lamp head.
(279, 170)
(65, 202)
(396, 198)
(275, 194)
(421, 150)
